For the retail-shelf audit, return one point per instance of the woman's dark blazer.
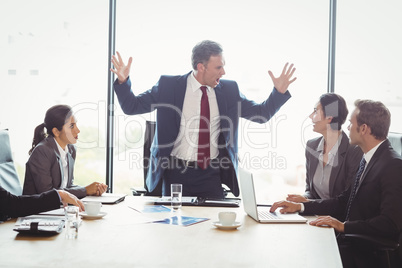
(44, 170)
(342, 174)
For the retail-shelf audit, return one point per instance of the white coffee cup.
(92, 208)
(227, 217)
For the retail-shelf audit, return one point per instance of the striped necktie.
(356, 185)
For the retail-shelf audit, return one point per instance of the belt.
(177, 162)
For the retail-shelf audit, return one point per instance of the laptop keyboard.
(266, 215)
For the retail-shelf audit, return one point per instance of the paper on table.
(55, 212)
(151, 209)
(133, 216)
(182, 220)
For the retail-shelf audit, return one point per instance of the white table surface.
(121, 240)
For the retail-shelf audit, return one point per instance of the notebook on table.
(261, 213)
(106, 198)
(40, 225)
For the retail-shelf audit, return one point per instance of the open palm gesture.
(120, 69)
(282, 82)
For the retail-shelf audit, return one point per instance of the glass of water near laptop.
(176, 191)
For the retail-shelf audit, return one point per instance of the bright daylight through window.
(59, 56)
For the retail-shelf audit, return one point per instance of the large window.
(55, 52)
(257, 36)
(369, 56)
(58, 54)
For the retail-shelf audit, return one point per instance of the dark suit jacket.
(44, 170)
(167, 96)
(377, 207)
(341, 175)
(12, 206)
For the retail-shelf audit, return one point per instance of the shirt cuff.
(301, 208)
(58, 195)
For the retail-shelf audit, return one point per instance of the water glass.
(176, 192)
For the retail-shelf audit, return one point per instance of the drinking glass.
(176, 192)
(72, 221)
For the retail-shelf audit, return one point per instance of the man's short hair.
(335, 106)
(375, 115)
(203, 51)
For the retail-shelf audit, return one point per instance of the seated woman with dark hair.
(51, 164)
(331, 162)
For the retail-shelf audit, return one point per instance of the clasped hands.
(96, 188)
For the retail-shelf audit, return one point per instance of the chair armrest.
(373, 241)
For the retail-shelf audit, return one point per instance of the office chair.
(390, 251)
(8, 174)
(148, 138)
(384, 248)
(396, 141)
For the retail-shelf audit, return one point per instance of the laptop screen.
(250, 204)
(248, 193)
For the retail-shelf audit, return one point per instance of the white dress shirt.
(64, 161)
(323, 173)
(367, 156)
(186, 144)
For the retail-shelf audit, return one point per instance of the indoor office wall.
(55, 52)
(256, 36)
(369, 55)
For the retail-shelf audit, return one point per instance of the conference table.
(127, 237)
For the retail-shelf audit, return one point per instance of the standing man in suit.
(12, 206)
(198, 113)
(373, 203)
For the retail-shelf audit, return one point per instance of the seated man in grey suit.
(372, 205)
(12, 206)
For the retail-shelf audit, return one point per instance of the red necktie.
(203, 156)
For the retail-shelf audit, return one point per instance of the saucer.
(219, 225)
(88, 217)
